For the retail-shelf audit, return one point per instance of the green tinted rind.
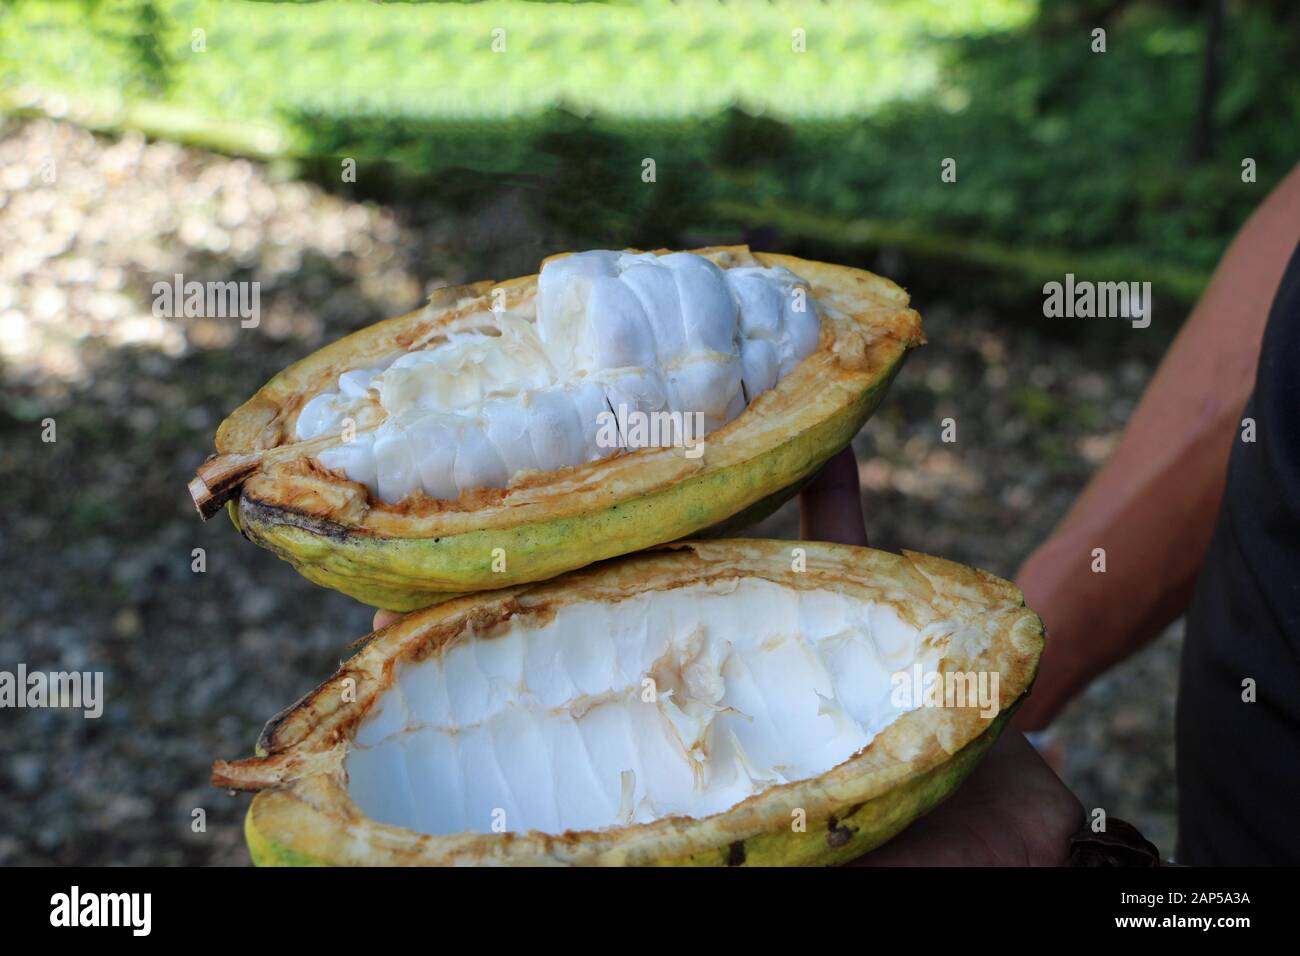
(403, 574)
(267, 852)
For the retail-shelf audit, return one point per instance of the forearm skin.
(1153, 506)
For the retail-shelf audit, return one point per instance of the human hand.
(1011, 811)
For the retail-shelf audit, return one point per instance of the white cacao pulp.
(673, 702)
(609, 333)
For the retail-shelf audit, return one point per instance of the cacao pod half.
(709, 703)
(409, 553)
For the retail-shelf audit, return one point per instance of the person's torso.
(1238, 729)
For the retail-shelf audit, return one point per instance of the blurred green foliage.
(1066, 159)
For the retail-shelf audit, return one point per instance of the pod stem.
(273, 770)
(218, 478)
(254, 773)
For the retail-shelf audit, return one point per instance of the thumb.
(830, 508)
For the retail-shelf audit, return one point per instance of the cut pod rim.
(305, 813)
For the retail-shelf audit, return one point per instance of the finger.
(384, 618)
(830, 508)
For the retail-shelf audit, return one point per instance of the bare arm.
(1153, 506)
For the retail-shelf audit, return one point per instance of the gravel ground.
(97, 533)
